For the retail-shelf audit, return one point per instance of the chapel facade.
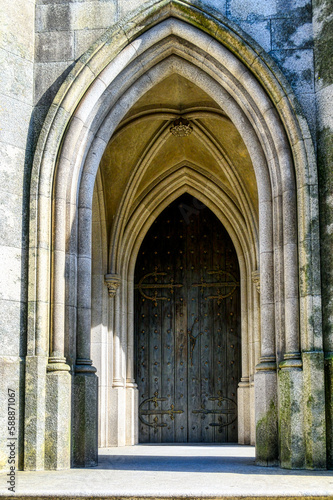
(167, 227)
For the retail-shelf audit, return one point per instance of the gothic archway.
(104, 85)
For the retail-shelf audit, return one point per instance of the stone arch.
(123, 64)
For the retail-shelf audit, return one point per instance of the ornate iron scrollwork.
(226, 406)
(233, 284)
(141, 286)
(156, 411)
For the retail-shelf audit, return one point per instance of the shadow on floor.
(205, 464)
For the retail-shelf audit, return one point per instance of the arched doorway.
(129, 60)
(187, 328)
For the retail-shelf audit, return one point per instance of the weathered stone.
(92, 15)
(57, 420)
(329, 408)
(84, 38)
(293, 33)
(260, 31)
(55, 46)
(14, 132)
(85, 438)
(314, 410)
(12, 380)
(250, 133)
(267, 449)
(297, 65)
(291, 430)
(17, 33)
(34, 416)
(53, 17)
(13, 328)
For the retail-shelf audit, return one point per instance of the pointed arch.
(127, 61)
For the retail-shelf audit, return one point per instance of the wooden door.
(187, 328)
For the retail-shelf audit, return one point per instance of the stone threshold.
(165, 472)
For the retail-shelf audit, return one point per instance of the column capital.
(112, 281)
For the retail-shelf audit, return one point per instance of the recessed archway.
(102, 88)
(187, 328)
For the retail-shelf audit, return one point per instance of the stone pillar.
(265, 379)
(117, 400)
(265, 384)
(244, 409)
(58, 420)
(85, 421)
(132, 393)
(314, 410)
(35, 398)
(329, 407)
(292, 446)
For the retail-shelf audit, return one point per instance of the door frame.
(207, 222)
(185, 179)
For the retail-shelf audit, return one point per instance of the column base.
(244, 412)
(267, 452)
(314, 410)
(85, 421)
(329, 407)
(34, 419)
(292, 446)
(132, 418)
(117, 413)
(58, 419)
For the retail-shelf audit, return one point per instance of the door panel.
(187, 328)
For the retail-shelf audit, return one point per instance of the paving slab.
(173, 471)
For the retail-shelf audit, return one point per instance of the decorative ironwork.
(157, 412)
(181, 127)
(193, 339)
(218, 284)
(226, 406)
(141, 286)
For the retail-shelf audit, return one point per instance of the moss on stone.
(324, 42)
(266, 437)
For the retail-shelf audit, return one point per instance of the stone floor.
(164, 471)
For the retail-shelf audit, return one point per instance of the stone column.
(85, 423)
(118, 391)
(292, 445)
(265, 377)
(243, 391)
(132, 393)
(58, 379)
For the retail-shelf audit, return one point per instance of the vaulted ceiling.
(143, 140)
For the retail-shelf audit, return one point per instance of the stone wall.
(39, 45)
(323, 38)
(65, 29)
(16, 106)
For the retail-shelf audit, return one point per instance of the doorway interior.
(187, 328)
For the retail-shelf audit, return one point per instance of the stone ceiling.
(143, 138)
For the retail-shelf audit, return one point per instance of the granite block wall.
(16, 124)
(65, 29)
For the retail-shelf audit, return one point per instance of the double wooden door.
(187, 328)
